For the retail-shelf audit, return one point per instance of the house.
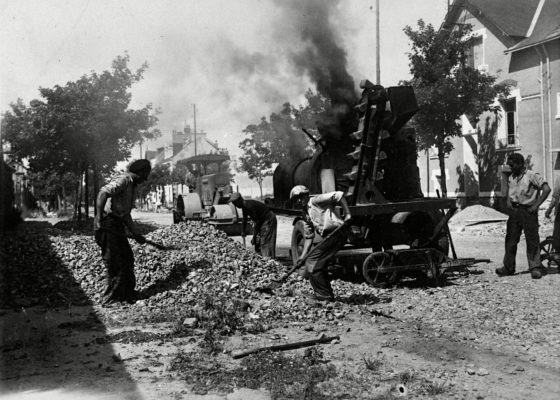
(519, 42)
(193, 149)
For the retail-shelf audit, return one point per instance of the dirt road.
(478, 337)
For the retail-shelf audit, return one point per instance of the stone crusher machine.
(376, 167)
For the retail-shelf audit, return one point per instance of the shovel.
(278, 282)
(158, 246)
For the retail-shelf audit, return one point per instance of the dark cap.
(235, 196)
(138, 166)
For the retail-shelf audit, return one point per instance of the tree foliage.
(83, 126)
(281, 136)
(158, 178)
(446, 86)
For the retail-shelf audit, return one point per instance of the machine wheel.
(443, 244)
(298, 238)
(179, 211)
(375, 270)
(546, 251)
(223, 212)
(192, 204)
(434, 272)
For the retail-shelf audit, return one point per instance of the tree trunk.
(443, 178)
(80, 193)
(64, 205)
(86, 190)
(76, 199)
(95, 187)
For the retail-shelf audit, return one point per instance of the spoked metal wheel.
(547, 252)
(378, 270)
(434, 273)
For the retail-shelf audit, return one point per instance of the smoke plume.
(317, 53)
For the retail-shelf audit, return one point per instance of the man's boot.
(503, 271)
(536, 273)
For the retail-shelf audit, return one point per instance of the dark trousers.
(265, 240)
(317, 261)
(556, 231)
(520, 220)
(118, 259)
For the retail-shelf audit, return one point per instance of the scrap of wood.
(286, 346)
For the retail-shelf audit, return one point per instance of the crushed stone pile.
(56, 268)
(476, 213)
(480, 220)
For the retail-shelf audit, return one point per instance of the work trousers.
(317, 261)
(521, 220)
(556, 231)
(265, 236)
(118, 259)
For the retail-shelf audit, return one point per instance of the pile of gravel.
(58, 268)
(476, 213)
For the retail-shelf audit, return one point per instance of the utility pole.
(194, 116)
(377, 67)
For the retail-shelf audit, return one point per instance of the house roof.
(515, 22)
(524, 23)
(546, 28)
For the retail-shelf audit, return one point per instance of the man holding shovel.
(114, 204)
(320, 216)
(264, 224)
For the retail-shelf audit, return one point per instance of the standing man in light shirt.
(555, 203)
(527, 190)
(114, 204)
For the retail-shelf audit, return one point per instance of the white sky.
(226, 56)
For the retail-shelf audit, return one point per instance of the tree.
(84, 127)
(181, 174)
(255, 162)
(446, 87)
(158, 178)
(281, 137)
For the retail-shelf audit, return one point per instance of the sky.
(237, 61)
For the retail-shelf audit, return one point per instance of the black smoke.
(317, 52)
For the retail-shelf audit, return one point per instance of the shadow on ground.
(47, 342)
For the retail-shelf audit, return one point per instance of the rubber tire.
(443, 244)
(298, 238)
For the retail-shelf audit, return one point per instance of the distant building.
(188, 144)
(518, 41)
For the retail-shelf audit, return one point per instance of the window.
(476, 55)
(510, 108)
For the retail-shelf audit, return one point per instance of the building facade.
(519, 42)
